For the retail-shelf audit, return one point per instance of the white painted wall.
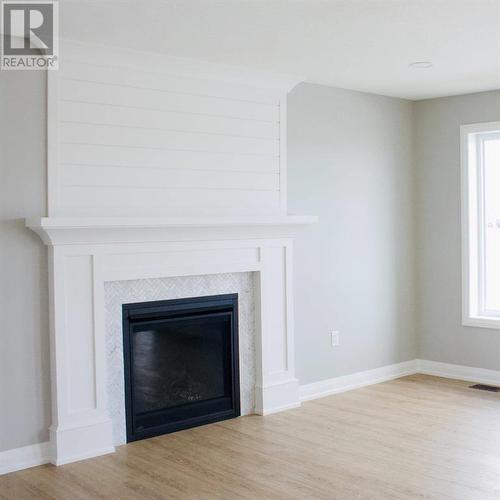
(350, 161)
(441, 334)
(24, 357)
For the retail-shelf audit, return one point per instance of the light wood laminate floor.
(415, 437)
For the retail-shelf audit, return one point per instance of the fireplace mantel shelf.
(71, 230)
(151, 222)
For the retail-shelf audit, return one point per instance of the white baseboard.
(25, 457)
(84, 456)
(361, 379)
(355, 380)
(278, 409)
(90, 438)
(278, 396)
(38, 454)
(458, 372)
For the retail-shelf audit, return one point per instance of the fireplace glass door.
(181, 364)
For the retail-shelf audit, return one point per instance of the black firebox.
(181, 364)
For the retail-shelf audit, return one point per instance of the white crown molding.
(173, 65)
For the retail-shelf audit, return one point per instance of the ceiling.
(364, 45)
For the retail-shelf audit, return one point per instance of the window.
(481, 224)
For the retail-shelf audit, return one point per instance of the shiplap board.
(143, 177)
(106, 155)
(132, 139)
(160, 201)
(102, 114)
(112, 135)
(161, 81)
(91, 92)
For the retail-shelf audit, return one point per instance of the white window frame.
(473, 312)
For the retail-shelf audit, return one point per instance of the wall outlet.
(335, 338)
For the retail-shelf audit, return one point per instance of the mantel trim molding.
(67, 231)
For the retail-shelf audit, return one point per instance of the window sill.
(482, 322)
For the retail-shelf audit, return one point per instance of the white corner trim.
(25, 457)
(345, 383)
(458, 372)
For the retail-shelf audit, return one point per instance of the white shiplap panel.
(167, 120)
(72, 90)
(84, 201)
(78, 133)
(134, 137)
(87, 154)
(78, 175)
(161, 80)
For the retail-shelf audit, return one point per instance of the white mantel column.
(81, 427)
(277, 388)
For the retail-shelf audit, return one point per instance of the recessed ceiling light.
(421, 64)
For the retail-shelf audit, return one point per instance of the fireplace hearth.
(180, 364)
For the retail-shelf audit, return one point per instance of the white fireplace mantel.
(85, 253)
(77, 230)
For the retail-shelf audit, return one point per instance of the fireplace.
(180, 364)
(96, 267)
(105, 227)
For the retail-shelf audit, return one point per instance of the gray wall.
(24, 358)
(350, 158)
(440, 332)
(350, 162)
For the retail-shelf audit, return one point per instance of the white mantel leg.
(81, 427)
(276, 386)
